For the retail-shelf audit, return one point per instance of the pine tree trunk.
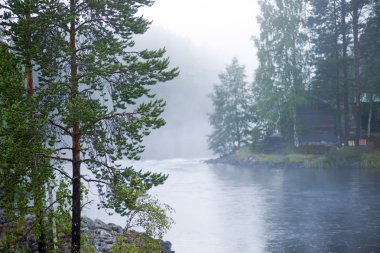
(76, 212)
(345, 74)
(41, 240)
(370, 116)
(53, 220)
(295, 132)
(76, 192)
(337, 78)
(355, 24)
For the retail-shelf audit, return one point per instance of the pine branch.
(115, 115)
(60, 127)
(93, 180)
(56, 158)
(60, 149)
(63, 173)
(88, 21)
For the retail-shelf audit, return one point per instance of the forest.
(312, 54)
(75, 98)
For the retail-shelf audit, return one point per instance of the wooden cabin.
(317, 124)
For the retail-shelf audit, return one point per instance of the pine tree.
(232, 117)
(92, 97)
(93, 91)
(22, 24)
(23, 175)
(370, 58)
(330, 82)
(280, 78)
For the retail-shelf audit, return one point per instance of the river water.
(226, 209)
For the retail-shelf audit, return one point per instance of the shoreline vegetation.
(97, 236)
(303, 157)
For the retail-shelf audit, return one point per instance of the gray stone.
(115, 228)
(99, 224)
(167, 247)
(90, 224)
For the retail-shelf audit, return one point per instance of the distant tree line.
(325, 50)
(71, 92)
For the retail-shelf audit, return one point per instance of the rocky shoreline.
(100, 235)
(252, 161)
(103, 236)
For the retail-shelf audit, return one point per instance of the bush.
(152, 216)
(313, 149)
(371, 161)
(347, 156)
(136, 242)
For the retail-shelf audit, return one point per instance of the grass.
(247, 152)
(284, 159)
(329, 158)
(244, 153)
(371, 160)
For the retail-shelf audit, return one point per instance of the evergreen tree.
(93, 90)
(232, 117)
(22, 174)
(23, 26)
(370, 55)
(358, 18)
(92, 95)
(279, 84)
(330, 82)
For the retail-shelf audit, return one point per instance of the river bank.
(303, 158)
(97, 236)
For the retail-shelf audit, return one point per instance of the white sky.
(222, 26)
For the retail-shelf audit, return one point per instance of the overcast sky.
(224, 26)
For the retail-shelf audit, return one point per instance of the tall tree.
(23, 175)
(91, 88)
(280, 78)
(343, 30)
(92, 96)
(370, 58)
(330, 83)
(232, 115)
(22, 24)
(357, 16)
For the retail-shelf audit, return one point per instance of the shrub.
(346, 156)
(371, 161)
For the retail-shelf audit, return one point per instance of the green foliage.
(343, 157)
(370, 54)
(284, 159)
(339, 158)
(280, 79)
(122, 247)
(87, 246)
(92, 87)
(152, 216)
(138, 243)
(244, 152)
(23, 169)
(232, 116)
(371, 160)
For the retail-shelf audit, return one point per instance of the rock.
(103, 236)
(99, 224)
(116, 228)
(88, 223)
(167, 247)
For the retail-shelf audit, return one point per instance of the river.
(226, 209)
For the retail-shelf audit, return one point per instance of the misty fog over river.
(226, 209)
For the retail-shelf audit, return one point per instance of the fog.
(187, 102)
(187, 127)
(201, 38)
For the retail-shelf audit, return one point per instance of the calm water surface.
(225, 209)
